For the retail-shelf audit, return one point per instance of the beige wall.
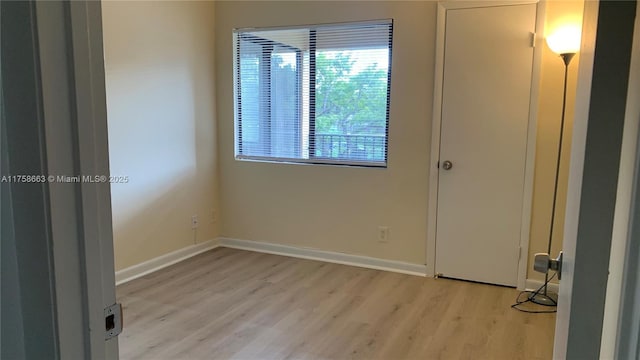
(162, 134)
(159, 63)
(558, 12)
(329, 207)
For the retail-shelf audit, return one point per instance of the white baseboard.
(328, 256)
(155, 264)
(532, 285)
(147, 267)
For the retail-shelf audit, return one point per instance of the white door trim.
(93, 157)
(624, 283)
(75, 118)
(443, 7)
(596, 146)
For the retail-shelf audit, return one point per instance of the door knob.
(447, 165)
(542, 262)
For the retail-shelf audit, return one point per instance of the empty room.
(322, 179)
(297, 139)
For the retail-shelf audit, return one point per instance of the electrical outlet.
(194, 222)
(383, 234)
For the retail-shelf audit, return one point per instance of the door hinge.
(533, 40)
(519, 253)
(112, 321)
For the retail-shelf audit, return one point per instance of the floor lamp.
(565, 42)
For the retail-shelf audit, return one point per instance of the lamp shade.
(565, 40)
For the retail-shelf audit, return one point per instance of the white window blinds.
(313, 94)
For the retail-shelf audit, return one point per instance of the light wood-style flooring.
(229, 303)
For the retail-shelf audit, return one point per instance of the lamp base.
(546, 300)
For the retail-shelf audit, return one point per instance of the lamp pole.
(544, 298)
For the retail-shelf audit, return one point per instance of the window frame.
(240, 34)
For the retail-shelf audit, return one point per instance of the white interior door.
(485, 112)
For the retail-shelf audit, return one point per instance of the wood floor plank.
(235, 304)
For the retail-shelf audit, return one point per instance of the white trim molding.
(161, 262)
(327, 256)
(533, 285)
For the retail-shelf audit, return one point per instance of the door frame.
(71, 70)
(527, 196)
(627, 345)
(599, 125)
(92, 152)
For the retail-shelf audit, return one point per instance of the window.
(317, 94)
